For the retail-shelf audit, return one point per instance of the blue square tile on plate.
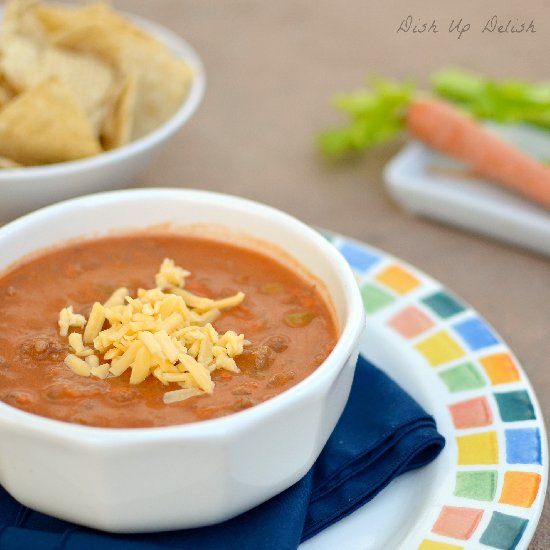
(476, 333)
(357, 257)
(523, 446)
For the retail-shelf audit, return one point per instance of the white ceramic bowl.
(147, 479)
(25, 189)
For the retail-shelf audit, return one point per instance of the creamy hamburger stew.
(290, 276)
(159, 329)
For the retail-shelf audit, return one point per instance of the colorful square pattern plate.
(486, 490)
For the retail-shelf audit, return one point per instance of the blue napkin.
(382, 433)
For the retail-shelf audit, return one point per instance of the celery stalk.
(501, 100)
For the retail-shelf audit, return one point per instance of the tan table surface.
(272, 68)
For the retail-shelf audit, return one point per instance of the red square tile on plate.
(410, 322)
(456, 522)
(471, 413)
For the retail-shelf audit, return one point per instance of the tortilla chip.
(6, 163)
(162, 83)
(89, 63)
(46, 124)
(6, 92)
(94, 29)
(25, 64)
(162, 80)
(117, 129)
(20, 18)
(58, 20)
(54, 18)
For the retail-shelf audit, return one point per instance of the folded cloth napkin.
(382, 433)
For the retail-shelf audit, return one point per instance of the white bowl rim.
(351, 329)
(193, 99)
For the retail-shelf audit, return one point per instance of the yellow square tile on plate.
(479, 448)
(434, 545)
(440, 348)
(398, 279)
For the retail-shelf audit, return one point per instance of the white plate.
(429, 184)
(487, 487)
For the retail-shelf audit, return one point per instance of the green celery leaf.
(375, 115)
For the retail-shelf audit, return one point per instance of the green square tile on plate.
(443, 304)
(374, 298)
(465, 376)
(481, 485)
(503, 531)
(515, 406)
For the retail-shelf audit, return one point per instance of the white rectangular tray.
(426, 183)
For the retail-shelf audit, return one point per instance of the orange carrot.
(446, 129)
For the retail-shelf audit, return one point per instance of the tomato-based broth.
(288, 324)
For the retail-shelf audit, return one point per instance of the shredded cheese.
(165, 332)
(67, 319)
(77, 365)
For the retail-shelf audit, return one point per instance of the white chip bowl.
(150, 479)
(25, 189)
